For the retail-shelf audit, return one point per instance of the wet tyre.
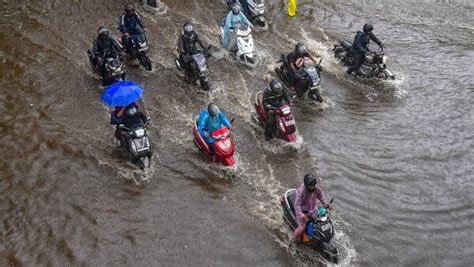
(204, 84)
(146, 62)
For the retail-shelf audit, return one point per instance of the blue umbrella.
(121, 93)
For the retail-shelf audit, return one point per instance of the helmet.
(131, 111)
(300, 49)
(310, 182)
(103, 32)
(368, 27)
(276, 87)
(188, 28)
(213, 109)
(129, 9)
(236, 9)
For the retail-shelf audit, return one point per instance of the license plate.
(289, 123)
(326, 227)
(142, 49)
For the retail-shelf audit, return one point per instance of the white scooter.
(241, 45)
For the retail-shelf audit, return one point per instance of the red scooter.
(286, 126)
(223, 146)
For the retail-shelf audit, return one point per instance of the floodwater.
(397, 156)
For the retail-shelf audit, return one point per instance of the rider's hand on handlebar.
(329, 207)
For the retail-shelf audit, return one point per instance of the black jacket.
(187, 44)
(273, 99)
(106, 47)
(361, 42)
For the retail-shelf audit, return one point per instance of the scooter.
(374, 66)
(285, 122)
(244, 48)
(319, 230)
(136, 46)
(114, 71)
(135, 144)
(308, 79)
(223, 146)
(199, 68)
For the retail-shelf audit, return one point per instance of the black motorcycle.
(135, 144)
(198, 68)
(374, 65)
(111, 71)
(319, 230)
(136, 46)
(307, 80)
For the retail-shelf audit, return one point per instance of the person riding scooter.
(130, 23)
(187, 47)
(296, 60)
(305, 204)
(209, 120)
(128, 116)
(273, 98)
(234, 17)
(104, 46)
(360, 47)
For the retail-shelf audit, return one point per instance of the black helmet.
(310, 182)
(300, 49)
(188, 28)
(213, 109)
(103, 32)
(236, 9)
(129, 9)
(276, 87)
(368, 27)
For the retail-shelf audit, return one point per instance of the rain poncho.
(305, 201)
(230, 21)
(208, 124)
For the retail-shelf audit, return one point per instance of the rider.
(187, 46)
(243, 3)
(130, 23)
(360, 48)
(209, 120)
(296, 59)
(104, 46)
(273, 98)
(129, 116)
(234, 17)
(305, 203)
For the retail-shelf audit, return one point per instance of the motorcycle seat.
(346, 44)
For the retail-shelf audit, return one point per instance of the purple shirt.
(306, 201)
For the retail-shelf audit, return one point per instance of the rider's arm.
(245, 20)
(181, 44)
(313, 58)
(95, 49)
(122, 27)
(139, 21)
(375, 39)
(298, 202)
(285, 96)
(200, 42)
(224, 120)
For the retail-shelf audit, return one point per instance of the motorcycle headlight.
(143, 44)
(225, 145)
(384, 59)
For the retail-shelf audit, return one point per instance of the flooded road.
(397, 156)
